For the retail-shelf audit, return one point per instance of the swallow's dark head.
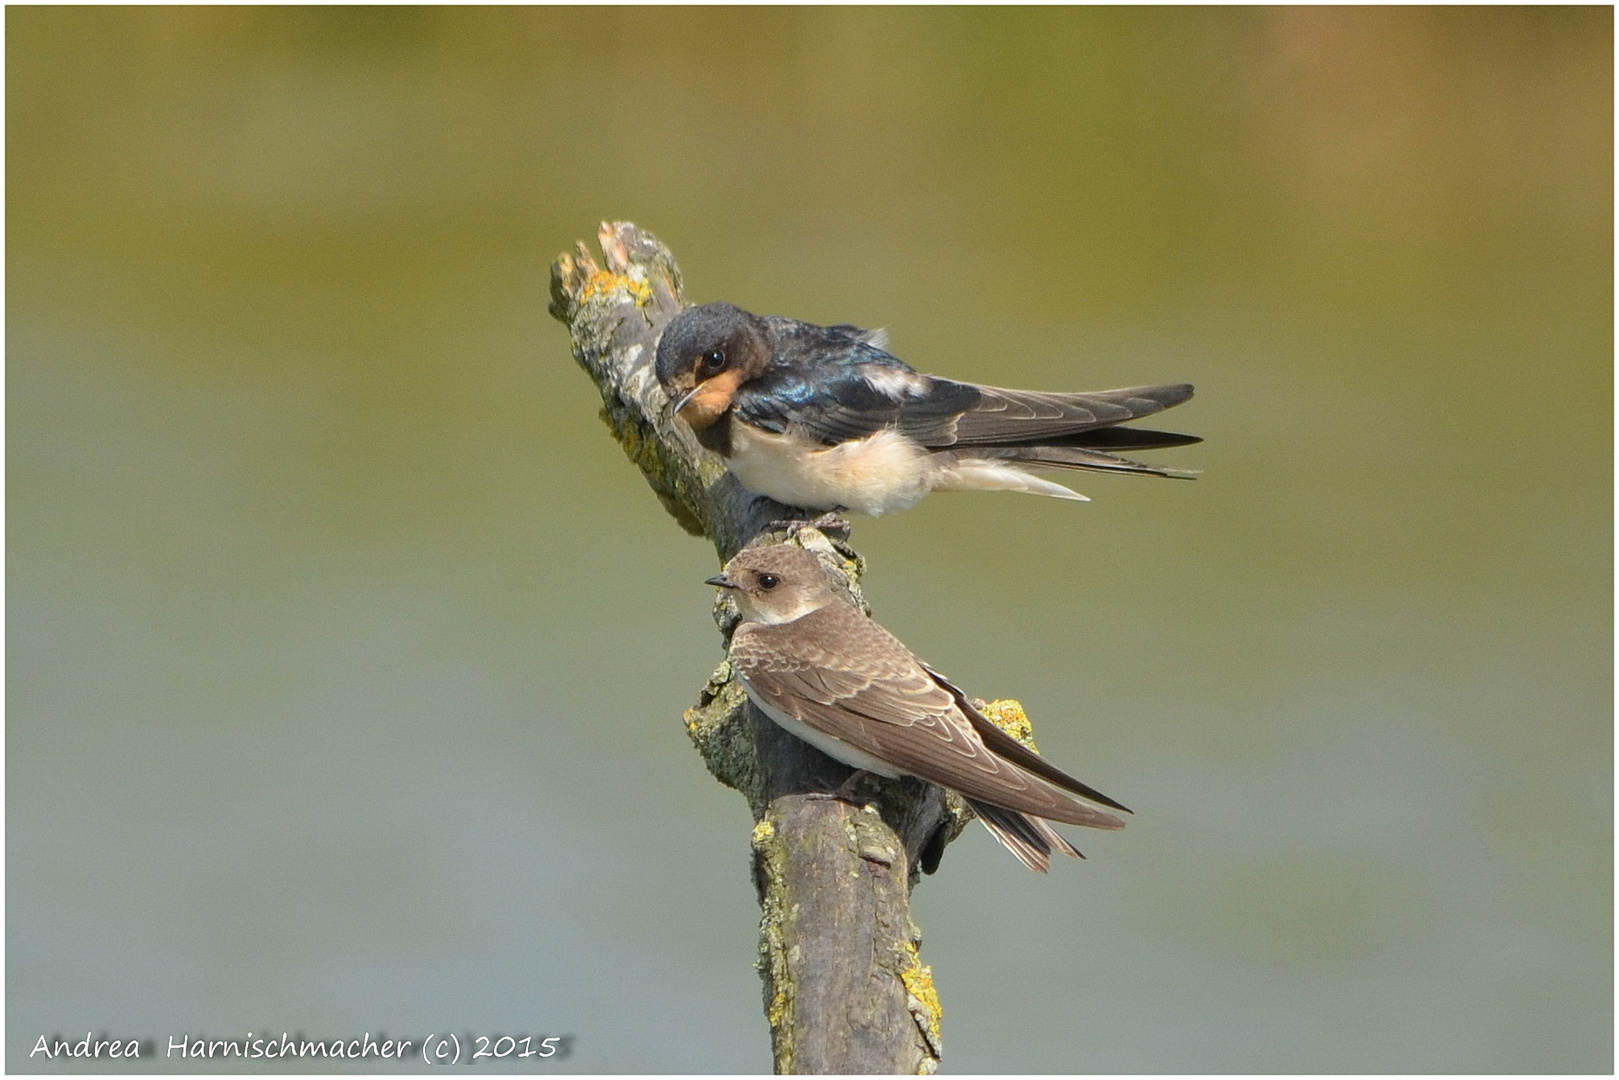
(705, 354)
(776, 583)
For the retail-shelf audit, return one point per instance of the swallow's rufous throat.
(824, 418)
(824, 671)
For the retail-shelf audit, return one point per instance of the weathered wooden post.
(845, 988)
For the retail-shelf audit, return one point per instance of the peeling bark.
(844, 987)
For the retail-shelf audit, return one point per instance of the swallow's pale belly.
(875, 475)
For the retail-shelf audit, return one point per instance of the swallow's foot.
(845, 791)
(832, 523)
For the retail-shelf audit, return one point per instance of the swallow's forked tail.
(1030, 838)
(1083, 457)
(1064, 431)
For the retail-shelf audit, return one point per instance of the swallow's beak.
(683, 400)
(720, 581)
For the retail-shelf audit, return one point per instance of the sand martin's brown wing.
(1014, 751)
(848, 678)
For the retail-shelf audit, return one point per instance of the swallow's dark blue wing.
(835, 402)
(831, 384)
(854, 401)
(1034, 418)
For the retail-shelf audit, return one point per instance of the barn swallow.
(813, 663)
(824, 418)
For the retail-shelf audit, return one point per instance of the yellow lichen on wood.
(918, 980)
(763, 832)
(1008, 715)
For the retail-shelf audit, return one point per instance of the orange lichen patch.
(605, 281)
(1008, 715)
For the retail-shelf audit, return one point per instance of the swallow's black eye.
(768, 581)
(711, 363)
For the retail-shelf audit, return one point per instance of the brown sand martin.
(824, 418)
(813, 663)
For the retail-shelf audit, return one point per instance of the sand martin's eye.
(711, 363)
(768, 581)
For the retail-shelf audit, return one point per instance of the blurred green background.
(347, 652)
